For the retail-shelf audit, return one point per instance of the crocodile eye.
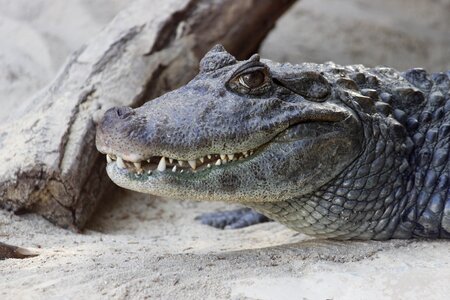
(252, 80)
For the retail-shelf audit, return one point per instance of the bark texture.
(49, 162)
(8, 251)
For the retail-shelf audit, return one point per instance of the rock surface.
(398, 33)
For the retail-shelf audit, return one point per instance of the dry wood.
(8, 251)
(49, 161)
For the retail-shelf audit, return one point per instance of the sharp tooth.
(181, 163)
(202, 159)
(208, 165)
(137, 165)
(149, 172)
(251, 152)
(108, 158)
(148, 160)
(174, 169)
(193, 164)
(209, 156)
(223, 156)
(230, 156)
(181, 171)
(171, 160)
(120, 163)
(162, 164)
(218, 162)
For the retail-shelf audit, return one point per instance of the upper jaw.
(197, 159)
(152, 164)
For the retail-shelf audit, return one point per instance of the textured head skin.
(293, 122)
(344, 152)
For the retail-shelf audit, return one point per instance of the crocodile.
(339, 152)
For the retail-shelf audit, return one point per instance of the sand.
(140, 246)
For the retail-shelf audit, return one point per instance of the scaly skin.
(344, 152)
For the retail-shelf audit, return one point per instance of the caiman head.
(240, 131)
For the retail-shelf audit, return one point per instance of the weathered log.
(49, 161)
(8, 251)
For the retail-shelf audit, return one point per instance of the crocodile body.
(343, 152)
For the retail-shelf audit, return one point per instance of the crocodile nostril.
(115, 115)
(123, 112)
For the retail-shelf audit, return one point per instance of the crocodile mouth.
(165, 163)
(288, 155)
(161, 164)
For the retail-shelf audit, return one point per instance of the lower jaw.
(157, 182)
(144, 183)
(177, 186)
(189, 185)
(202, 185)
(163, 184)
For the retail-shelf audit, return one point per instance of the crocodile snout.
(114, 129)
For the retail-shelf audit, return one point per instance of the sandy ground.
(139, 246)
